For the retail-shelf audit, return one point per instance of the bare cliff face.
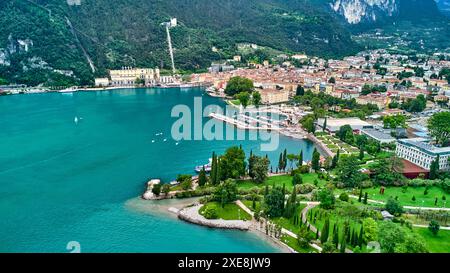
(357, 11)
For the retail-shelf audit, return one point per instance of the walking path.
(425, 226)
(406, 207)
(283, 230)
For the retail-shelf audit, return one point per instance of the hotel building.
(127, 76)
(419, 152)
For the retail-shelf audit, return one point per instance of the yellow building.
(272, 96)
(128, 76)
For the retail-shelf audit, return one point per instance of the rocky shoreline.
(191, 214)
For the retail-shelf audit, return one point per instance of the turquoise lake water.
(61, 181)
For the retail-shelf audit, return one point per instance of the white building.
(101, 82)
(334, 124)
(419, 152)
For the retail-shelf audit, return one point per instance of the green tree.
(347, 174)
(393, 206)
(232, 163)
(300, 91)
(434, 168)
(304, 237)
(237, 85)
(260, 166)
(370, 228)
(202, 177)
(156, 190)
(297, 179)
(325, 231)
(335, 161)
(326, 198)
(165, 189)
(244, 98)
(256, 98)
(439, 127)
(300, 159)
(434, 227)
(315, 163)
(274, 202)
(226, 192)
(328, 247)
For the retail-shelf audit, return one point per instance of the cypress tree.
(266, 190)
(284, 159)
(317, 234)
(325, 231)
(361, 153)
(202, 177)
(343, 246)
(336, 237)
(365, 198)
(300, 159)
(280, 162)
(213, 175)
(324, 124)
(360, 239)
(360, 195)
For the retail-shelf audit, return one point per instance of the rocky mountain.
(372, 12)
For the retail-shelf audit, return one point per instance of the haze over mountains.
(70, 41)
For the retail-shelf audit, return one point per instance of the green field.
(292, 242)
(436, 244)
(280, 180)
(231, 211)
(405, 196)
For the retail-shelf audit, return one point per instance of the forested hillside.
(115, 33)
(63, 42)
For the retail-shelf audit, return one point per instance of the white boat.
(206, 166)
(69, 90)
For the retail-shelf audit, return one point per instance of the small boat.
(206, 166)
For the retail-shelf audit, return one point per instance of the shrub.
(209, 212)
(305, 188)
(394, 207)
(344, 197)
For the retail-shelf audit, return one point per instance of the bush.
(305, 188)
(209, 212)
(394, 207)
(344, 197)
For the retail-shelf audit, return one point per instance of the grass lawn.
(288, 223)
(280, 180)
(292, 242)
(249, 204)
(405, 197)
(436, 244)
(231, 211)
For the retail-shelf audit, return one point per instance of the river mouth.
(62, 181)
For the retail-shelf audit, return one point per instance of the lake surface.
(63, 181)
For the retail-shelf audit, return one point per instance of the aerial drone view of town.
(325, 131)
